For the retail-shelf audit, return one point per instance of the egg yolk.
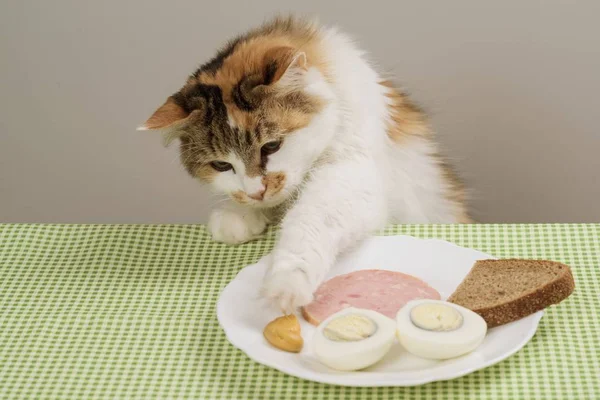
(436, 317)
(350, 328)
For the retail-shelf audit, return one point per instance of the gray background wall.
(512, 87)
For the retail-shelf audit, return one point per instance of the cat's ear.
(167, 116)
(284, 66)
(283, 72)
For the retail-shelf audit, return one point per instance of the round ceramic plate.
(443, 265)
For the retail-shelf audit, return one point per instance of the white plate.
(443, 265)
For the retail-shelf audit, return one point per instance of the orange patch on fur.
(240, 197)
(274, 182)
(293, 120)
(166, 115)
(206, 173)
(242, 119)
(455, 192)
(248, 58)
(406, 119)
(464, 218)
(279, 40)
(277, 43)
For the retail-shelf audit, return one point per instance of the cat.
(293, 124)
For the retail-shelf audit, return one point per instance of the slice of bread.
(502, 291)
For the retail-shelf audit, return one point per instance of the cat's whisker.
(190, 155)
(181, 154)
(220, 201)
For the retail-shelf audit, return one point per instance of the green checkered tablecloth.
(128, 312)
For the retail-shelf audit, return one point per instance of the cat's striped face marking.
(248, 119)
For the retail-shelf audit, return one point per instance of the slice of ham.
(373, 289)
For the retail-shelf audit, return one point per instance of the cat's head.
(253, 120)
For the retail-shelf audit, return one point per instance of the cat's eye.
(271, 147)
(221, 166)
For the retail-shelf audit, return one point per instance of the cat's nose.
(258, 195)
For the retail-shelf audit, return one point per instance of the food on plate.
(439, 330)
(502, 291)
(436, 316)
(372, 289)
(284, 333)
(353, 339)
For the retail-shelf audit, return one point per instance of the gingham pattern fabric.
(128, 312)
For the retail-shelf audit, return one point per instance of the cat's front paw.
(287, 288)
(235, 227)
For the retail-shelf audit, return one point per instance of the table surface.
(128, 311)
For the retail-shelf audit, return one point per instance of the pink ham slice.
(373, 289)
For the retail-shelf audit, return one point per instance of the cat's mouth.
(267, 202)
(274, 193)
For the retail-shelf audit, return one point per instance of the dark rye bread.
(502, 291)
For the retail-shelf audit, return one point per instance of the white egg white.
(440, 345)
(359, 354)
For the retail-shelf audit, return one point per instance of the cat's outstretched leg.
(341, 204)
(235, 225)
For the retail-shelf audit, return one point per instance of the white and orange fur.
(366, 159)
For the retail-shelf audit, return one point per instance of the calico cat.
(294, 125)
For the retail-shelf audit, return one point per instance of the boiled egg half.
(438, 329)
(353, 339)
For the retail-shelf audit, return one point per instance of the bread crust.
(551, 293)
